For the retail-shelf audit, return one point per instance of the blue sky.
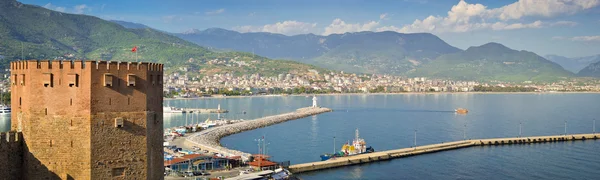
(564, 27)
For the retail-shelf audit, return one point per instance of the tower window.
(73, 80)
(14, 80)
(47, 79)
(108, 79)
(22, 82)
(116, 172)
(152, 80)
(119, 122)
(131, 80)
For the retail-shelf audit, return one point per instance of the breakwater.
(209, 139)
(405, 152)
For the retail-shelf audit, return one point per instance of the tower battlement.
(10, 137)
(81, 65)
(76, 117)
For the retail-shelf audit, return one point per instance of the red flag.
(134, 49)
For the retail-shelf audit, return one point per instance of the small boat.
(172, 110)
(4, 109)
(359, 146)
(461, 111)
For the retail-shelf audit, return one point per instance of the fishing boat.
(359, 146)
(461, 111)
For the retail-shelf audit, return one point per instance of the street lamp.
(415, 139)
(565, 128)
(594, 125)
(334, 145)
(520, 129)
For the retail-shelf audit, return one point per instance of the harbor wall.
(419, 150)
(11, 155)
(209, 139)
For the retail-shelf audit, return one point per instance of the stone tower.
(88, 119)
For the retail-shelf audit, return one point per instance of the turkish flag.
(134, 49)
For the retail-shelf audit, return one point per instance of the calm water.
(389, 122)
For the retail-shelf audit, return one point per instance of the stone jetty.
(209, 139)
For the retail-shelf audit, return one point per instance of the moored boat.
(359, 146)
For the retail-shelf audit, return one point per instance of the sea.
(396, 121)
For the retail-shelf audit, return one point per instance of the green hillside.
(493, 61)
(38, 33)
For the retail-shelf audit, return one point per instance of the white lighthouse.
(314, 101)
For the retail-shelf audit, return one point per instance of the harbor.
(209, 139)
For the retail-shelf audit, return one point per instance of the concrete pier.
(209, 139)
(399, 153)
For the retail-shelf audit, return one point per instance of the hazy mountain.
(493, 61)
(369, 52)
(592, 70)
(573, 64)
(130, 25)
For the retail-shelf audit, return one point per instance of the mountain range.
(416, 54)
(362, 52)
(575, 64)
(493, 61)
(34, 32)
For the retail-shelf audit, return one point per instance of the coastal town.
(184, 85)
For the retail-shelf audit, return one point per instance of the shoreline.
(402, 93)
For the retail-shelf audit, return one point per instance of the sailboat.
(208, 123)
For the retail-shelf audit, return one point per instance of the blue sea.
(390, 121)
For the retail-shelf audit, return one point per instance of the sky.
(561, 27)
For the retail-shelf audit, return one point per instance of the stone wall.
(11, 154)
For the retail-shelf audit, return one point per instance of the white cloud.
(545, 8)
(578, 38)
(53, 7)
(215, 12)
(339, 27)
(464, 17)
(383, 16)
(79, 9)
(564, 23)
(586, 38)
(285, 27)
